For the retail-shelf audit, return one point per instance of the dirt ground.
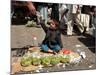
(21, 36)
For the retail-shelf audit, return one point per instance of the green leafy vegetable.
(36, 61)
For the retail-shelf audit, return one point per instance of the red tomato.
(67, 52)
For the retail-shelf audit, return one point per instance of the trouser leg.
(87, 19)
(69, 27)
(79, 22)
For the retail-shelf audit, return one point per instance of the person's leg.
(79, 22)
(87, 19)
(56, 48)
(45, 48)
(70, 24)
(69, 27)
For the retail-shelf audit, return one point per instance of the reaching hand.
(31, 8)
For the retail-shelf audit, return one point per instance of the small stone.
(78, 45)
(47, 71)
(37, 71)
(59, 64)
(40, 67)
(63, 65)
(90, 66)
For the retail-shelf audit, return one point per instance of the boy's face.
(53, 26)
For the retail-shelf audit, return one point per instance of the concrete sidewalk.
(21, 36)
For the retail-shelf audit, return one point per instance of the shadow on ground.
(89, 41)
(18, 22)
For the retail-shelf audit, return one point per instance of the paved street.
(21, 36)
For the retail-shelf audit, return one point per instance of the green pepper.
(55, 60)
(36, 61)
(45, 61)
(26, 61)
(64, 59)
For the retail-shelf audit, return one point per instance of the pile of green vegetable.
(26, 61)
(45, 61)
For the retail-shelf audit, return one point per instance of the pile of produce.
(32, 61)
(55, 60)
(36, 61)
(45, 61)
(26, 61)
(65, 59)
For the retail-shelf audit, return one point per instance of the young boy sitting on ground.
(52, 42)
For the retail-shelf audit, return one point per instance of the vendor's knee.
(44, 48)
(57, 48)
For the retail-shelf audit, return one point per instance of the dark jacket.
(53, 36)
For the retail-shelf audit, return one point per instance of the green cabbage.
(26, 61)
(45, 61)
(65, 59)
(36, 61)
(55, 60)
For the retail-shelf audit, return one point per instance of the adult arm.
(31, 8)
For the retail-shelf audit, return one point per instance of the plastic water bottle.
(83, 55)
(35, 42)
